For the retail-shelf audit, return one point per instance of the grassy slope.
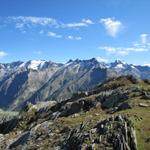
(139, 115)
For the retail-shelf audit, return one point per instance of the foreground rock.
(115, 133)
(105, 118)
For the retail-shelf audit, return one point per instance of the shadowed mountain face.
(72, 77)
(20, 82)
(35, 81)
(9, 89)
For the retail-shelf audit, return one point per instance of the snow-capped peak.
(33, 64)
(100, 59)
(147, 65)
(133, 67)
(36, 64)
(119, 66)
(120, 62)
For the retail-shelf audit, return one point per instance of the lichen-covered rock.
(118, 132)
(75, 139)
(21, 140)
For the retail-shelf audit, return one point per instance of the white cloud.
(112, 26)
(54, 35)
(37, 52)
(75, 25)
(41, 32)
(28, 21)
(87, 21)
(147, 64)
(78, 38)
(3, 54)
(144, 38)
(70, 37)
(141, 46)
(144, 43)
(24, 21)
(122, 50)
(100, 59)
(82, 23)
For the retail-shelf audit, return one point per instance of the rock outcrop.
(116, 133)
(108, 117)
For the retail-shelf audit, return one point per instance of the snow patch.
(120, 66)
(100, 59)
(147, 65)
(36, 64)
(133, 67)
(22, 65)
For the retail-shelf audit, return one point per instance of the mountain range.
(34, 81)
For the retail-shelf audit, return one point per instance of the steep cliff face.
(19, 81)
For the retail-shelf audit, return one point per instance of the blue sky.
(60, 30)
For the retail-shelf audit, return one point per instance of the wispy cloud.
(3, 54)
(143, 43)
(147, 64)
(37, 52)
(70, 37)
(100, 59)
(122, 50)
(28, 21)
(41, 31)
(144, 38)
(142, 46)
(82, 23)
(112, 26)
(54, 35)
(22, 22)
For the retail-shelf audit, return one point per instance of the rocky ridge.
(83, 121)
